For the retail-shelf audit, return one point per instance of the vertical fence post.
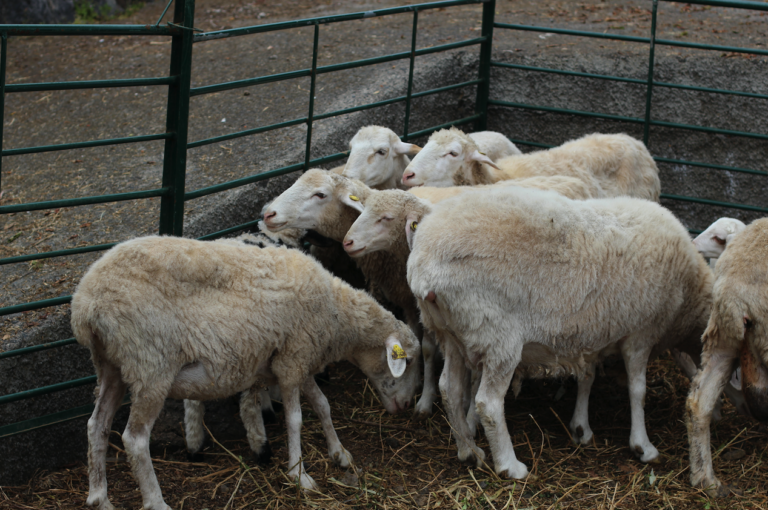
(311, 113)
(649, 89)
(3, 62)
(484, 88)
(177, 122)
(410, 75)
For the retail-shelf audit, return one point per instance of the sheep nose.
(409, 175)
(407, 404)
(269, 215)
(348, 243)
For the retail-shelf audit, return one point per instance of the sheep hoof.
(722, 490)
(264, 455)
(269, 416)
(649, 454)
(579, 432)
(420, 415)
(342, 458)
(100, 501)
(197, 456)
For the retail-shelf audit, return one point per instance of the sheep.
(378, 157)
(713, 240)
(535, 282)
(570, 187)
(194, 410)
(327, 203)
(611, 165)
(735, 334)
(179, 318)
(380, 227)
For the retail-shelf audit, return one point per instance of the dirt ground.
(401, 464)
(405, 464)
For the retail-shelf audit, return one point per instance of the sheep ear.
(396, 357)
(411, 224)
(482, 158)
(352, 200)
(405, 148)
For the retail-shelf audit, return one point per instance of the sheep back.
(573, 276)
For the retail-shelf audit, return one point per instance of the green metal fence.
(647, 121)
(172, 191)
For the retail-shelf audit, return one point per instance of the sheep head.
(380, 224)
(318, 200)
(377, 157)
(712, 242)
(450, 158)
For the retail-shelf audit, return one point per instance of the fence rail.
(176, 144)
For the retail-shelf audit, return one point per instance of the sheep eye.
(320, 195)
(408, 361)
(453, 153)
(381, 152)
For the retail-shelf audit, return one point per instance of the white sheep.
(383, 215)
(570, 187)
(611, 165)
(378, 157)
(521, 279)
(736, 333)
(194, 410)
(327, 203)
(714, 239)
(179, 318)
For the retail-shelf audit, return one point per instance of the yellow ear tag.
(353, 197)
(413, 226)
(483, 153)
(398, 352)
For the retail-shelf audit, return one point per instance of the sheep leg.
(338, 454)
(250, 413)
(452, 389)
(473, 420)
(736, 396)
(706, 388)
(580, 429)
(490, 406)
(111, 392)
(686, 363)
(636, 362)
(144, 411)
(292, 408)
(194, 410)
(267, 411)
(423, 409)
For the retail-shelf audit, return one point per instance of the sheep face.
(374, 228)
(448, 153)
(435, 165)
(377, 157)
(395, 372)
(712, 242)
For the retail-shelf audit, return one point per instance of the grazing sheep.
(534, 282)
(179, 318)
(735, 334)
(611, 165)
(713, 240)
(328, 204)
(377, 157)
